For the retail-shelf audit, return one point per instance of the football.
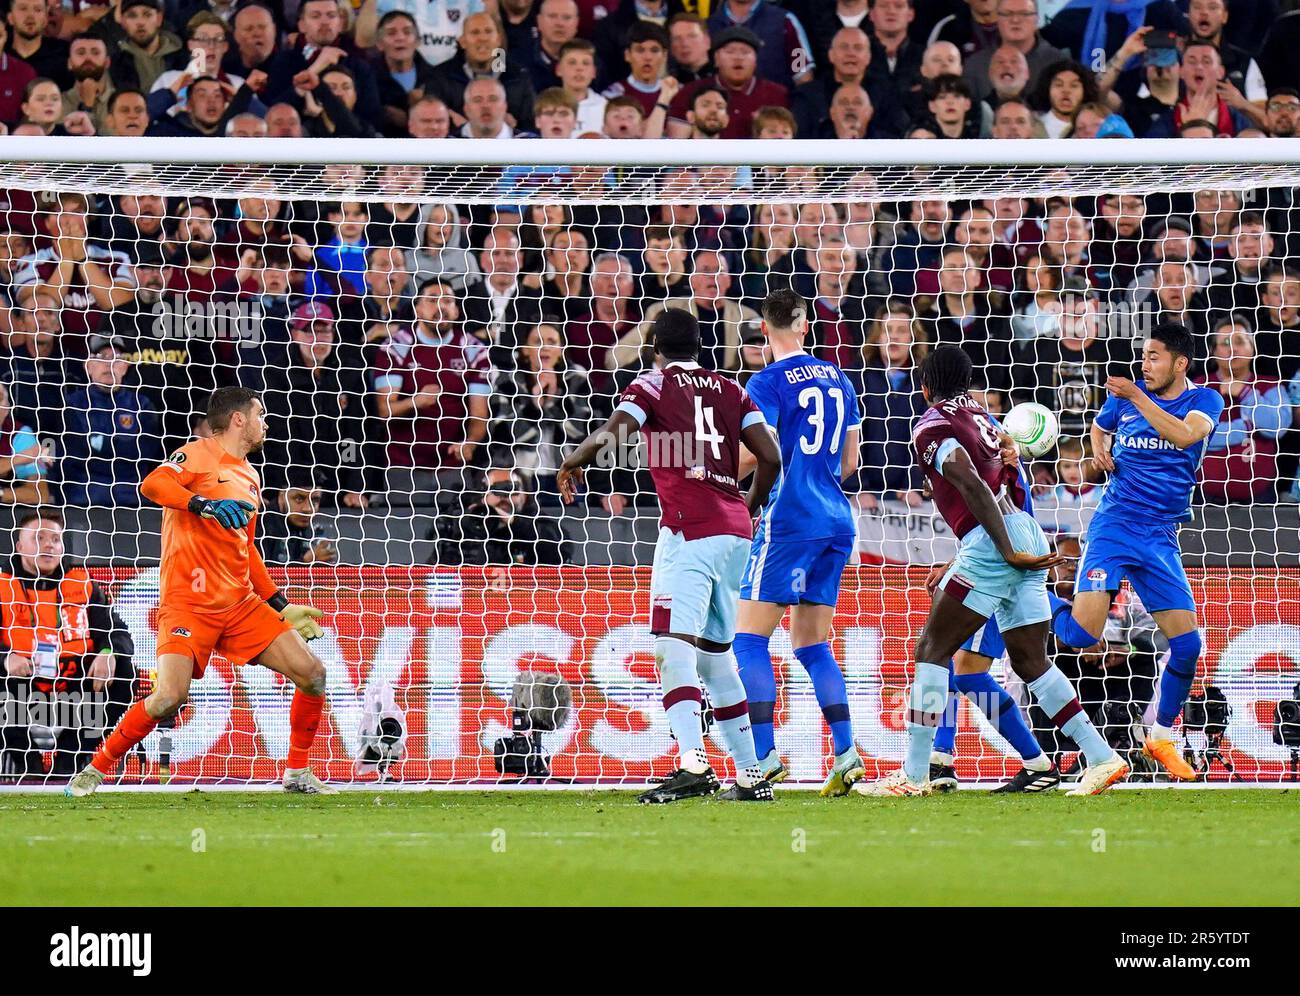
(1033, 427)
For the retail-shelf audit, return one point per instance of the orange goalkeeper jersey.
(204, 565)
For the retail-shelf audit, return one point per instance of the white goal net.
(433, 326)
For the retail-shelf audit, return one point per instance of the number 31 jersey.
(691, 419)
(812, 406)
(960, 422)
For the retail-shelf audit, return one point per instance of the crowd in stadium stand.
(429, 353)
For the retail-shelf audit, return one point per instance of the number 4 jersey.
(691, 419)
(812, 406)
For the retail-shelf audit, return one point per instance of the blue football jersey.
(1152, 476)
(812, 406)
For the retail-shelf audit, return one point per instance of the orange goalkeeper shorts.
(238, 633)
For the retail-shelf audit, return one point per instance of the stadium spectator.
(963, 317)
(664, 258)
(61, 637)
(314, 409)
(146, 47)
(112, 436)
(15, 74)
(836, 323)
(849, 58)
(481, 58)
(720, 317)
(1017, 27)
(1015, 119)
(42, 106)
(1178, 297)
(24, 461)
(320, 45)
(557, 24)
(283, 121)
(1074, 487)
(344, 255)
(1117, 239)
(92, 87)
(1066, 369)
(500, 525)
(209, 104)
(255, 38)
(1063, 87)
(646, 55)
(86, 278)
(1005, 78)
(895, 58)
(972, 27)
(1283, 109)
(1234, 282)
(784, 53)
(735, 53)
(917, 245)
(1240, 462)
(432, 385)
(951, 106)
(615, 312)
(556, 114)
(576, 71)
(441, 250)
(1036, 301)
(690, 55)
(207, 39)
(401, 72)
(1208, 19)
(938, 59)
(624, 118)
(29, 41)
(707, 116)
(500, 304)
(891, 399)
(540, 410)
(126, 114)
(199, 269)
(1277, 323)
(768, 258)
(294, 532)
(1203, 98)
(563, 282)
(486, 110)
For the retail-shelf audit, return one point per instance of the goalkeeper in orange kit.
(216, 593)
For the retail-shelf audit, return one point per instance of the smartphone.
(1161, 39)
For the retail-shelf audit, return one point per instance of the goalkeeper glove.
(229, 512)
(303, 619)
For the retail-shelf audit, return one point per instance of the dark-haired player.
(1152, 438)
(805, 536)
(694, 421)
(1000, 571)
(216, 594)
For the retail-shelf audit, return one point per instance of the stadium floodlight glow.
(454, 636)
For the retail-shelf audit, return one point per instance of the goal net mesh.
(429, 343)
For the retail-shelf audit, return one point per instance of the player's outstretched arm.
(618, 428)
(760, 441)
(960, 473)
(163, 486)
(1182, 432)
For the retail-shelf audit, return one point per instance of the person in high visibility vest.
(67, 656)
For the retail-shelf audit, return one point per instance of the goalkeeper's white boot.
(895, 783)
(304, 781)
(84, 782)
(1097, 778)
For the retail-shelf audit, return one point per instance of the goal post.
(433, 325)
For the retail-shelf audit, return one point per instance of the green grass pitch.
(365, 848)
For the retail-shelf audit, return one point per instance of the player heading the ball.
(694, 420)
(216, 594)
(1000, 571)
